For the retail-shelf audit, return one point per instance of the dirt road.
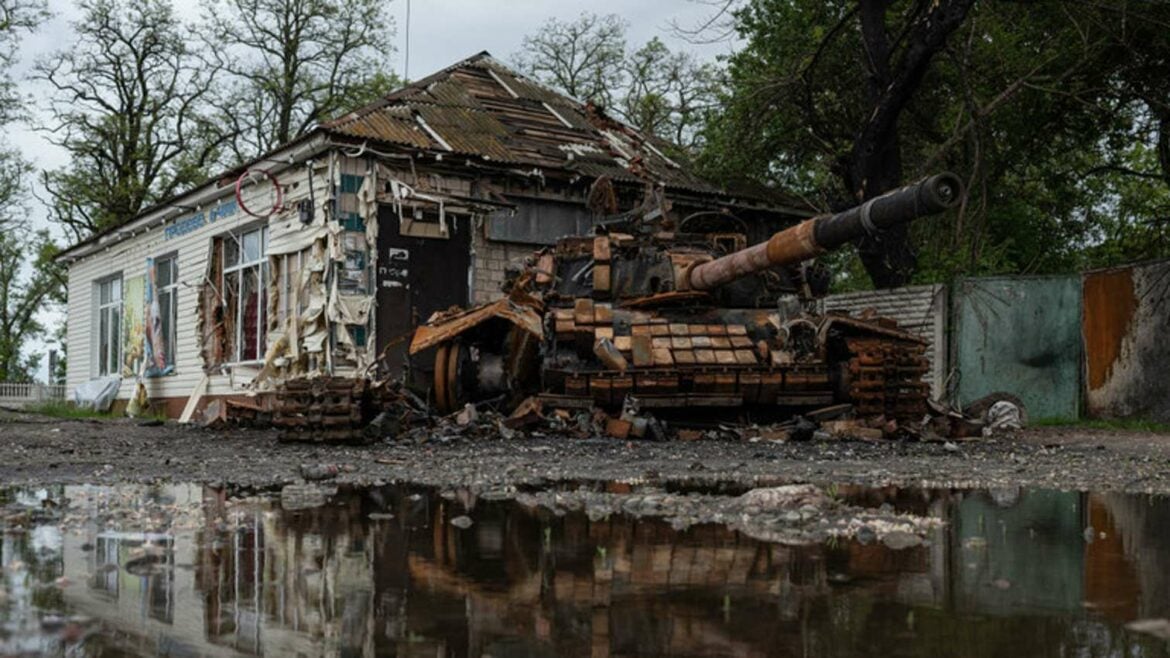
(36, 450)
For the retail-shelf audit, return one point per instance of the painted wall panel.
(1020, 335)
(1127, 354)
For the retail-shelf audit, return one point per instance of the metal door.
(416, 277)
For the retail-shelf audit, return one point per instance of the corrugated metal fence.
(921, 310)
(1096, 343)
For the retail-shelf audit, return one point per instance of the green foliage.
(17, 18)
(29, 280)
(1054, 114)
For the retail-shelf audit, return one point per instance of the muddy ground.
(35, 450)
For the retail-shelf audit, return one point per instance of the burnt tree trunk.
(875, 164)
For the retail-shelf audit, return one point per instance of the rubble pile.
(400, 415)
(790, 514)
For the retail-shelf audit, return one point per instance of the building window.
(109, 320)
(166, 276)
(245, 275)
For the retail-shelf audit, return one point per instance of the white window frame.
(105, 314)
(240, 268)
(170, 290)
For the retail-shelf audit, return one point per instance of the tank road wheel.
(440, 382)
(452, 363)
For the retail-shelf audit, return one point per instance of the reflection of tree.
(26, 566)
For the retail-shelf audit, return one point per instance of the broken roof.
(481, 108)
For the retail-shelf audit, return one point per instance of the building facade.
(323, 255)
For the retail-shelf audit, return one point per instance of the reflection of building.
(1012, 575)
(139, 584)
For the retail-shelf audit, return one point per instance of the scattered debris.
(1003, 416)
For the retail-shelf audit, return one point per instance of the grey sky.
(442, 32)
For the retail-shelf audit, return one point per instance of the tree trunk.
(875, 164)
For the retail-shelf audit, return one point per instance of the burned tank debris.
(654, 322)
(658, 328)
(685, 316)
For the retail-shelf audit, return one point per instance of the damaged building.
(322, 256)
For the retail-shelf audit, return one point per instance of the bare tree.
(291, 64)
(668, 94)
(126, 107)
(585, 57)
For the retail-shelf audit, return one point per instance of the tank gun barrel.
(820, 234)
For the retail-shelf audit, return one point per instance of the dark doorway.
(416, 277)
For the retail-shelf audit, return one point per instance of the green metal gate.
(1020, 335)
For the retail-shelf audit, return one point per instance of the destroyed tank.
(687, 319)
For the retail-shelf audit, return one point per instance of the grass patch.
(1122, 424)
(63, 409)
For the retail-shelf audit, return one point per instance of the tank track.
(886, 378)
(322, 410)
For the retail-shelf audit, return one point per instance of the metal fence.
(21, 394)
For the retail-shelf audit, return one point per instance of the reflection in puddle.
(184, 570)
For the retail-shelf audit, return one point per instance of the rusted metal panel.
(1127, 356)
(1020, 335)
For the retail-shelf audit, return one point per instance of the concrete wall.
(921, 310)
(491, 259)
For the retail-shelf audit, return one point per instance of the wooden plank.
(194, 398)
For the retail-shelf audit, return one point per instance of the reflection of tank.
(687, 316)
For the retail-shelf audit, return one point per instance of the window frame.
(105, 313)
(172, 291)
(240, 268)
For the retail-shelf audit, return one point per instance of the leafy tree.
(1037, 105)
(29, 279)
(291, 64)
(17, 17)
(126, 106)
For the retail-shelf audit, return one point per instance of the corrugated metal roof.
(480, 107)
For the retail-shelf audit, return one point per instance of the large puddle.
(189, 570)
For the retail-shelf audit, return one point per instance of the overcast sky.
(442, 32)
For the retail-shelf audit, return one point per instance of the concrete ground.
(42, 450)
